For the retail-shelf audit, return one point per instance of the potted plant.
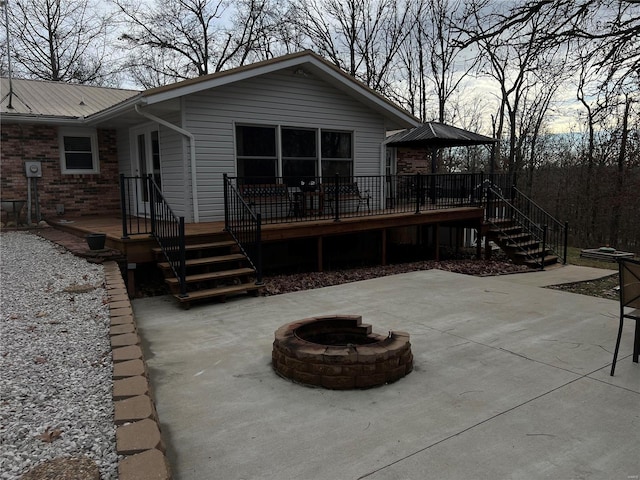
(96, 241)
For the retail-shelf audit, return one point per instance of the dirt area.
(462, 262)
(606, 287)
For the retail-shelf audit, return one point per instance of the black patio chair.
(629, 299)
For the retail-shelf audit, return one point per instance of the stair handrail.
(527, 225)
(168, 230)
(244, 225)
(553, 224)
(532, 202)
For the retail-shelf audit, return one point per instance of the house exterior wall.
(86, 194)
(174, 161)
(280, 98)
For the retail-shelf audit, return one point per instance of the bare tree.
(516, 59)
(362, 37)
(172, 40)
(61, 40)
(448, 68)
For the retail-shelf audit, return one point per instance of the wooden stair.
(518, 245)
(215, 270)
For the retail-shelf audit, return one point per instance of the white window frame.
(79, 132)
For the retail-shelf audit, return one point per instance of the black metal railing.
(135, 206)
(145, 211)
(244, 224)
(557, 232)
(289, 199)
(531, 219)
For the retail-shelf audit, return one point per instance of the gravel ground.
(55, 358)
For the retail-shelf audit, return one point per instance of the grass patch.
(573, 258)
(606, 287)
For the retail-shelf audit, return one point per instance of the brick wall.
(413, 160)
(90, 194)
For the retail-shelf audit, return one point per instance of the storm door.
(146, 156)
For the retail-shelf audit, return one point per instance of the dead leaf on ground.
(49, 435)
(40, 360)
(76, 288)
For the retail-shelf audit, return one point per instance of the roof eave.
(115, 110)
(187, 87)
(40, 119)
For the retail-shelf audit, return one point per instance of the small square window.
(79, 151)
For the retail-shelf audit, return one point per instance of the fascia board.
(225, 80)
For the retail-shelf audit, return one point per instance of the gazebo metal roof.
(437, 135)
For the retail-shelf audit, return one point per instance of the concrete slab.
(497, 366)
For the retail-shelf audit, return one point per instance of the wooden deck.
(137, 248)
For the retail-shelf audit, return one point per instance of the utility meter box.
(33, 169)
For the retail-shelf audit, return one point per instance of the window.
(265, 152)
(256, 153)
(79, 150)
(337, 156)
(299, 155)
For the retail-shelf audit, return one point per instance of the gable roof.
(49, 101)
(53, 101)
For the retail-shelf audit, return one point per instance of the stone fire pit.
(339, 352)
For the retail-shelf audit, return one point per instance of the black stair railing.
(557, 231)
(146, 211)
(244, 225)
(533, 220)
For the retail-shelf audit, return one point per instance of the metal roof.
(40, 98)
(437, 135)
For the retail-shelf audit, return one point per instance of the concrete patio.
(510, 380)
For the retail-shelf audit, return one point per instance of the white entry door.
(146, 161)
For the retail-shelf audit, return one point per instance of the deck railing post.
(544, 246)
(226, 201)
(152, 202)
(336, 197)
(183, 258)
(258, 259)
(566, 242)
(123, 206)
(418, 191)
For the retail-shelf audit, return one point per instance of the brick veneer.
(86, 194)
(368, 362)
(413, 160)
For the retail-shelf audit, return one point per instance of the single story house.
(295, 115)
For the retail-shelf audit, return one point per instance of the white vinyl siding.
(174, 159)
(282, 99)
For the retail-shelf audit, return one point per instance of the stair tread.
(548, 260)
(528, 253)
(207, 260)
(512, 237)
(201, 246)
(523, 244)
(218, 292)
(200, 277)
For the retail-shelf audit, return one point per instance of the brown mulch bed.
(293, 282)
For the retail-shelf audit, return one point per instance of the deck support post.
(383, 259)
(436, 232)
(487, 248)
(131, 280)
(320, 260)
